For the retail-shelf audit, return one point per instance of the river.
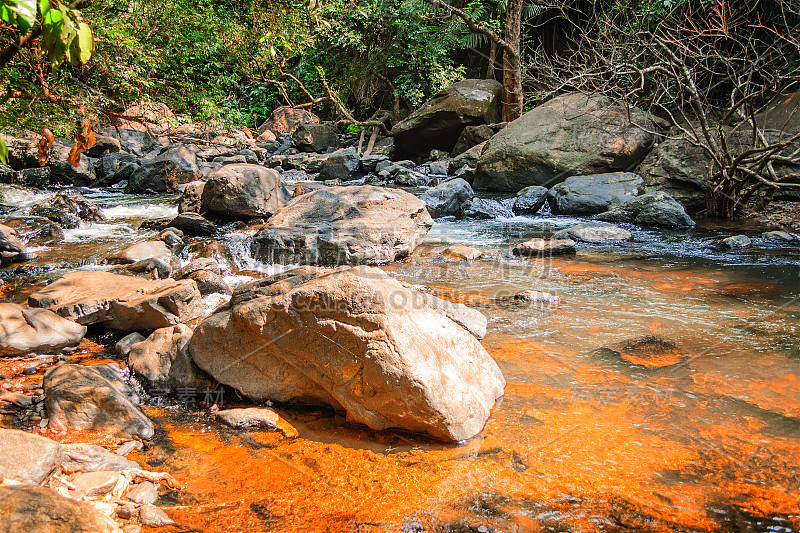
(655, 389)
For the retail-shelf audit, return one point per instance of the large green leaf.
(82, 45)
(3, 152)
(52, 24)
(21, 14)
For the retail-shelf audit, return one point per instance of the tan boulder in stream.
(357, 340)
(120, 302)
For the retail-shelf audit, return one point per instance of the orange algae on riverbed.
(574, 447)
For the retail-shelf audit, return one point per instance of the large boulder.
(93, 398)
(114, 167)
(678, 168)
(484, 209)
(243, 191)
(163, 173)
(569, 135)
(192, 193)
(597, 193)
(310, 137)
(25, 330)
(439, 123)
(357, 340)
(653, 209)
(344, 225)
(120, 302)
(530, 200)
(31, 509)
(285, 119)
(28, 458)
(163, 359)
(24, 154)
(447, 198)
(343, 164)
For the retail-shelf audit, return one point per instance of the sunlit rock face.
(357, 340)
(352, 225)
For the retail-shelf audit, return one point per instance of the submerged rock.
(125, 303)
(28, 458)
(25, 330)
(351, 339)
(29, 509)
(344, 225)
(594, 232)
(68, 210)
(542, 247)
(649, 351)
(95, 398)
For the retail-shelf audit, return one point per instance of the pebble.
(150, 515)
(144, 492)
(128, 447)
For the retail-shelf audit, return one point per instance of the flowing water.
(695, 428)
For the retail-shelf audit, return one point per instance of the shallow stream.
(697, 431)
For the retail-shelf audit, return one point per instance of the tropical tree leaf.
(21, 14)
(3, 152)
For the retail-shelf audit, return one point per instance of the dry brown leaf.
(84, 139)
(44, 146)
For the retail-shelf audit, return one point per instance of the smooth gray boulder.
(343, 164)
(357, 224)
(483, 209)
(440, 121)
(572, 134)
(593, 194)
(352, 338)
(25, 330)
(652, 209)
(447, 198)
(163, 173)
(243, 191)
(530, 200)
(314, 137)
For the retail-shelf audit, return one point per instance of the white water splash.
(148, 211)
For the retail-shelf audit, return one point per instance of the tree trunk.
(492, 59)
(512, 66)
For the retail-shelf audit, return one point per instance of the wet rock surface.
(93, 397)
